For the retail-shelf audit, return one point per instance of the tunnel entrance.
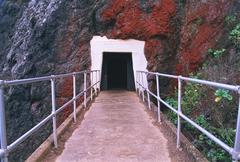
(117, 71)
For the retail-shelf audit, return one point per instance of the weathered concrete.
(116, 128)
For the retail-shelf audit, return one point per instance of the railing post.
(179, 110)
(54, 112)
(148, 96)
(3, 136)
(99, 80)
(158, 102)
(136, 82)
(142, 87)
(96, 91)
(85, 89)
(236, 149)
(139, 86)
(91, 76)
(74, 97)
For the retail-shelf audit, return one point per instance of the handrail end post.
(3, 131)
(74, 97)
(236, 149)
(179, 111)
(54, 122)
(158, 95)
(85, 89)
(91, 84)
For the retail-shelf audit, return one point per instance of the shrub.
(211, 150)
(222, 94)
(216, 53)
(230, 19)
(174, 103)
(234, 35)
(191, 97)
(199, 21)
(192, 94)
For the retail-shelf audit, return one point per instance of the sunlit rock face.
(53, 36)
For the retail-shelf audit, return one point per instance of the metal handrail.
(235, 151)
(5, 148)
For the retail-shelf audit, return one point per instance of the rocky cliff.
(53, 36)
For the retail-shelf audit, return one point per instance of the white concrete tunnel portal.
(113, 47)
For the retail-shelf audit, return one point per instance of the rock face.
(53, 36)
(139, 19)
(143, 20)
(42, 38)
(201, 29)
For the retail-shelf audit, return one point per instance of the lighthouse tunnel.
(117, 71)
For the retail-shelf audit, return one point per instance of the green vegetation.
(174, 103)
(215, 120)
(222, 94)
(191, 97)
(207, 113)
(215, 154)
(189, 100)
(233, 25)
(199, 21)
(216, 53)
(230, 19)
(234, 35)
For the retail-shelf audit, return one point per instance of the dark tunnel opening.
(117, 71)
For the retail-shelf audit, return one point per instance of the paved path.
(116, 129)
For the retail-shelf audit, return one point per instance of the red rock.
(133, 22)
(202, 27)
(153, 49)
(65, 88)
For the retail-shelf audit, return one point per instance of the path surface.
(116, 129)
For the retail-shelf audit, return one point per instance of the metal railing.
(5, 148)
(141, 88)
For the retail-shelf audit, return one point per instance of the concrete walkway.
(116, 129)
